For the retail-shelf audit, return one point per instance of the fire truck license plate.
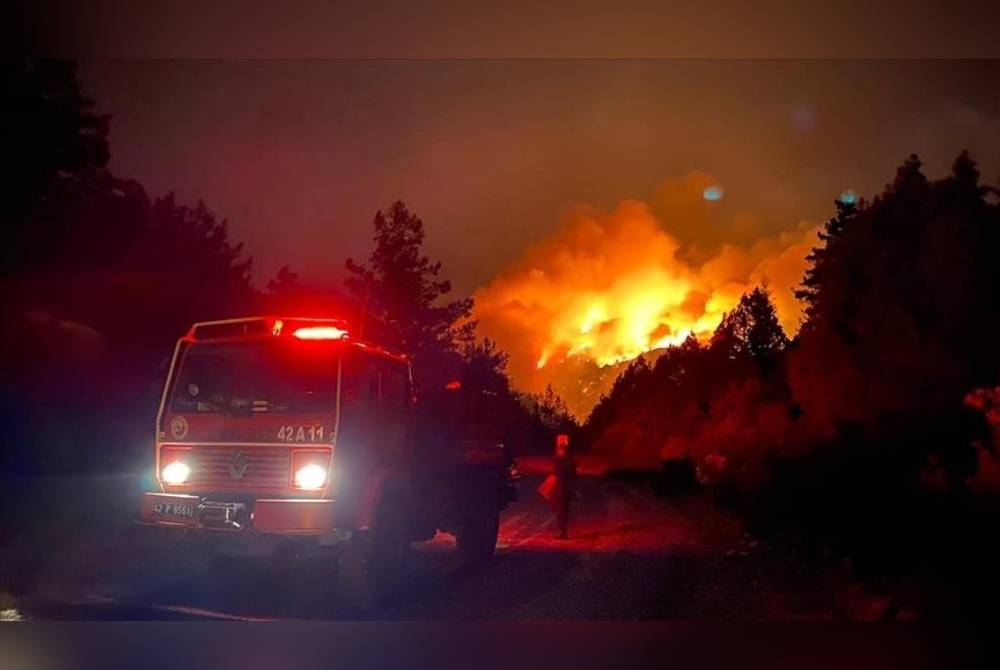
(181, 510)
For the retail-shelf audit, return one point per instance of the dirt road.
(631, 555)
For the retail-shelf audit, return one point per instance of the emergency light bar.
(301, 328)
(319, 333)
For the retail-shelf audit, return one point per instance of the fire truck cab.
(289, 429)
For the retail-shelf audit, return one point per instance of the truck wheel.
(477, 537)
(371, 566)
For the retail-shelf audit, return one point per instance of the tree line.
(874, 432)
(901, 318)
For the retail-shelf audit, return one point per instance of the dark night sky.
(298, 154)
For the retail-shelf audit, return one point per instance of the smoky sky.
(298, 154)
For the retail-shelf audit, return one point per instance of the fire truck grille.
(233, 466)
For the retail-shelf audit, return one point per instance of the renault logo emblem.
(238, 465)
(179, 427)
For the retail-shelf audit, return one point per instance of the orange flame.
(609, 286)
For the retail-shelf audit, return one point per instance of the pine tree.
(56, 148)
(552, 412)
(485, 367)
(283, 283)
(400, 294)
(752, 328)
(824, 259)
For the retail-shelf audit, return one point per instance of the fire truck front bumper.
(268, 516)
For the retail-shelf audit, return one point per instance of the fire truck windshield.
(272, 375)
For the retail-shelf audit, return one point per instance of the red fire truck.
(288, 432)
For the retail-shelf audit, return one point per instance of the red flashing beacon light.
(320, 333)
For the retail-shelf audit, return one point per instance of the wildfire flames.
(609, 286)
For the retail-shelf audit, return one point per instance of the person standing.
(565, 484)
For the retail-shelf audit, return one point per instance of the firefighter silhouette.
(559, 487)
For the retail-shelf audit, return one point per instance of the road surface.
(632, 555)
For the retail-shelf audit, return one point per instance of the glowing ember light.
(320, 333)
(848, 197)
(713, 193)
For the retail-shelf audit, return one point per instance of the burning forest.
(610, 286)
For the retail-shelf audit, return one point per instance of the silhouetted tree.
(902, 311)
(552, 411)
(401, 297)
(99, 279)
(485, 367)
(623, 390)
(53, 142)
(283, 283)
(902, 297)
(752, 329)
(828, 267)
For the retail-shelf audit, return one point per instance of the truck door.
(375, 433)
(393, 410)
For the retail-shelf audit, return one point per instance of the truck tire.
(371, 566)
(477, 536)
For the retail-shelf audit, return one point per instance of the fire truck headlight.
(176, 473)
(310, 477)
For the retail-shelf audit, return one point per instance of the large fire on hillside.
(609, 286)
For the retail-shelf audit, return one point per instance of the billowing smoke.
(609, 286)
